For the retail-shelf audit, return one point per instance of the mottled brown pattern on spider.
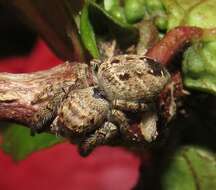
(97, 114)
(131, 77)
(82, 112)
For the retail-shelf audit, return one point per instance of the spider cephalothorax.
(131, 78)
(123, 84)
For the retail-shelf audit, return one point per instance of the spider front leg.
(45, 116)
(132, 106)
(128, 131)
(118, 127)
(107, 134)
(146, 130)
(82, 113)
(148, 126)
(143, 132)
(102, 136)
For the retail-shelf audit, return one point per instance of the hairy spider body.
(82, 111)
(131, 78)
(124, 83)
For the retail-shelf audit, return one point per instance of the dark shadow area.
(16, 38)
(197, 128)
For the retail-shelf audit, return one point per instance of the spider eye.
(156, 68)
(98, 93)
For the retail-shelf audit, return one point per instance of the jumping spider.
(99, 114)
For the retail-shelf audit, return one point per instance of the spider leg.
(130, 133)
(45, 115)
(105, 134)
(145, 131)
(132, 106)
(101, 136)
(148, 126)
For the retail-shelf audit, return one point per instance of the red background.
(60, 167)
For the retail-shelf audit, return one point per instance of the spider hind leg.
(132, 106)
(44, 117)
(101, 136)
(143, 132)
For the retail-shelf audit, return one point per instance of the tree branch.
(18, 91)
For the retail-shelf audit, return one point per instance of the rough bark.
(19, 91)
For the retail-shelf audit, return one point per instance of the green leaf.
(191, 168)
(87, 33)
(199, 64)
(199, 67)
(118, 13)
(157, 13)
(95, 20)
(175, 13)
(104, 23)
(18, 142)
(134, 10)
(109, 4)
(199, 61)
(202, 15)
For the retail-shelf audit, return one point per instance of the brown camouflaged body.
(131, 77)
(82, 111)
(126, 80)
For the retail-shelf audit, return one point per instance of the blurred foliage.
(191, 168)
(96, 21)
(18, 142)
(199, 60)
(192, 13)
(87, 33)
(134, 10)
(199, 67)
(199, 64)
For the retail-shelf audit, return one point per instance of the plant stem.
(18, 91)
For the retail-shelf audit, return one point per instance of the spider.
(123, 85)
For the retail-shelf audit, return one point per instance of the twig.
(172, 42)
(18, 91)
